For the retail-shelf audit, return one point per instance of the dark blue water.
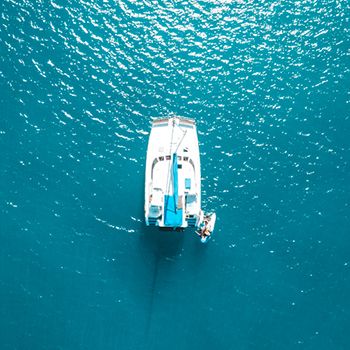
(268, 85)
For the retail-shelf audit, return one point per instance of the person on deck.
(204, 232)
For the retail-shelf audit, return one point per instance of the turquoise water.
(268, 85)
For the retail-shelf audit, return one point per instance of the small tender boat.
(207, 227)
(173, 175)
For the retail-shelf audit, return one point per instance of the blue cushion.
(173, 216)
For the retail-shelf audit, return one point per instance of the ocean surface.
(268, 85)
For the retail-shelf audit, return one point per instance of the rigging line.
(183, 136)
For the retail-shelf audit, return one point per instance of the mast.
(175, 181)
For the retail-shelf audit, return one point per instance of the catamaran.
(173, 178)
(173, 175)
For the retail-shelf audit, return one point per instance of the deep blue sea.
(268, 83)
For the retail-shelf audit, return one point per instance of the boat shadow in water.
(163, 244)
(159, 249)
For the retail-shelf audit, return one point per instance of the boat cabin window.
(167, 157)
(179, 166)
(179, 157)
(185, 159)
(161, 158)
